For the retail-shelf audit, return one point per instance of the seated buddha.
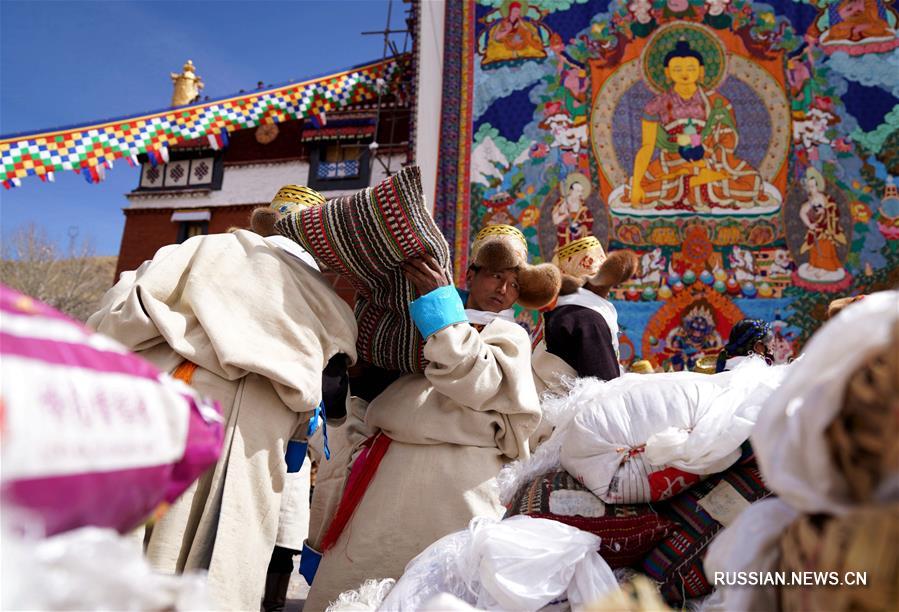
(695, 133)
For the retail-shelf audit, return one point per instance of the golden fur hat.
(292, 198)
(584, 261)
(501, 247)
(581, 257)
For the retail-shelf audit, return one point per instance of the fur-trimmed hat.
(501, 247)
(292, 198)
(263, 219)
(619, 267)
(584, 261)
(580, 258)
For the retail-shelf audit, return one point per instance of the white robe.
(452, 430)
(261, 325)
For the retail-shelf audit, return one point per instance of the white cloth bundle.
(793, 452)
(645, 438)
(789, 439)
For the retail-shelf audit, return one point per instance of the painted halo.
(701, 39)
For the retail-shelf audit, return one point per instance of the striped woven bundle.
(365, 237)
(627, 531)
(676, 563)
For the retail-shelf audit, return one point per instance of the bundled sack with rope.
(827, 446)
(92, 434)
(365, 237)
(641, 439)
(697, 514)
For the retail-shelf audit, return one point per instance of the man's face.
(491, 291)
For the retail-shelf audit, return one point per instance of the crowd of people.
(401, 459)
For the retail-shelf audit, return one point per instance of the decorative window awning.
(191, 215)
(90, 149)
(358, 132)
(359, 127)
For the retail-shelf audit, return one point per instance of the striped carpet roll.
(365, 237)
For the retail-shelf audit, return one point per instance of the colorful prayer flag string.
(93, 146)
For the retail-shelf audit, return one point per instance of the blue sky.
(63, 63)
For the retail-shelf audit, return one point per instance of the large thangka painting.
(745, 152)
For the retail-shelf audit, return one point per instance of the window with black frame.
(339, 165)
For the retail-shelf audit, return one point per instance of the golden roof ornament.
(187, 85)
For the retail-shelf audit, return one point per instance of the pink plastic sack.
(90, 433)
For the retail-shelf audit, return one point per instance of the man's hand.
(424, 273)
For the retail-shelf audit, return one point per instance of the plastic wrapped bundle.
(627, 532)
(92, 434)
(641, 439)
(91, 569)
(518, 563)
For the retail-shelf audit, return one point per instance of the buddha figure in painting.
(695, 134)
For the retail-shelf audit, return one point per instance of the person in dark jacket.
(582, 329)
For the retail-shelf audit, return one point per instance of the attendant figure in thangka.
(694, 338)
(821, 216)
(515, 33)
(571, 216)
(572, 76)
(441, 436)
(696, 135)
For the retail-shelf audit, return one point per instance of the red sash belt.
(361, 475)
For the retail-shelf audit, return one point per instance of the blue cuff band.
(296, 453)
(438, 309)
(309, 560)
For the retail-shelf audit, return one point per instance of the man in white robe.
(252, 326)
(443, 435)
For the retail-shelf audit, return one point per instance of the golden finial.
(187, 85)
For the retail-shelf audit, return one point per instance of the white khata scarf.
(484, 317)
